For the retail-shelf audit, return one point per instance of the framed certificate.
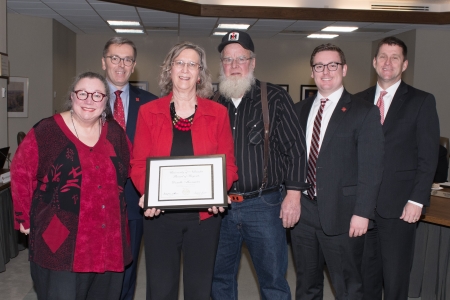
(185, 182)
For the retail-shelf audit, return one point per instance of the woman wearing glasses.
(67, 184)
(182, 123)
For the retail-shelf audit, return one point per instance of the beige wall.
(64, 58)
(42, 50)
(432, 62)
(3, 81)
(277, 61)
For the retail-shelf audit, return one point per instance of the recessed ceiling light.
(340, 28)
(234, 26)
(219, 33)
(129, 30)
(123, 23)
(322, 36)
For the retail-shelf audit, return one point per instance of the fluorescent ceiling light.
(234, 26)
(219, 33)
(322, 36)
(129, 30)
(340, 28)
(123, 23)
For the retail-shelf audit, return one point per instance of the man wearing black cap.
(260, 215)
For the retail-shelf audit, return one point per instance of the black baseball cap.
(237, 36)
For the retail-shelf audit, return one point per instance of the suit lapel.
(133, 109)
(339, 112)
(396, 104)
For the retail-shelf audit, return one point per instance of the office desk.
(8, 236)
(430, 273)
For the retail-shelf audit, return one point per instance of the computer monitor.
(3, 156)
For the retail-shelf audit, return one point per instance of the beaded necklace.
(180, 123)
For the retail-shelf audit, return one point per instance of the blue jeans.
(255, 221)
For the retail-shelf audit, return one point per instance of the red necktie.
(380, 104)
(314, 149)
(119, 113)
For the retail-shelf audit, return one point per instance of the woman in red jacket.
(182, 123)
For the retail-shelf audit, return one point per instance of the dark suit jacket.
(137, 98)
(349, 165)
(411, 131)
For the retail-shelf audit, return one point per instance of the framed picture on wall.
(284, 86)
(17, 97)
(307, 91)
(143, 85)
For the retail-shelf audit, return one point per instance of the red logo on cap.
(234, 36)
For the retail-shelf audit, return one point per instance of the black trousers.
(311, 247)
(168, 236)
(66, 285)
(387, 259)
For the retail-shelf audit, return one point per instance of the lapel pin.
(137, 99)
(344, 109)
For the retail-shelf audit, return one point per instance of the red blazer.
(211, 134)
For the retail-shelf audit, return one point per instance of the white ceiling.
(90, 16)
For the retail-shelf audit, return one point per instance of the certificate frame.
(184, 182)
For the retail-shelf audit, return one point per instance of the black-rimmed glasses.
(332, 66)
(95, 96)
(116, 60)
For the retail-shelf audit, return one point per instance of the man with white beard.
(258, 214)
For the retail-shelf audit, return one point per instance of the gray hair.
(117, 40)
(204, 88)
(91, 75)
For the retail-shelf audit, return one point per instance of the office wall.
(3, 81)
(64, 58)
(30, 55)
(432, 62)
(277, 61)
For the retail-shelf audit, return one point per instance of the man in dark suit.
(118, 61)
(411, 131)
(345, 153)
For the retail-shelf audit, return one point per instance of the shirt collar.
(390, 90)
(124, 90)
(334, 97)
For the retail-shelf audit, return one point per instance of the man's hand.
(358, 226)
(290, 209)
(411, 213)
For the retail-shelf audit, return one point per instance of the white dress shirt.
(328, 110)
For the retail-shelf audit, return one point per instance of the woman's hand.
(23, 230)
(151, 212)
(215, 210)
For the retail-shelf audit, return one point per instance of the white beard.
(234, 86)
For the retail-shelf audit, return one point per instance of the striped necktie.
(314, 150)
(380, 104)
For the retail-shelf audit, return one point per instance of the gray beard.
(233, 86)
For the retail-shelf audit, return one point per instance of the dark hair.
(204, 88)
(327, 47)
(91, 75)
(117, 40)
(393, 41)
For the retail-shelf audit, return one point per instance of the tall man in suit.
(345, 154)
(118, 61)
(411, 131)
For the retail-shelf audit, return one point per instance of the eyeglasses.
(332, 66)
(239, 60)
(179, 64)
(116, 60)
(95, 96)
